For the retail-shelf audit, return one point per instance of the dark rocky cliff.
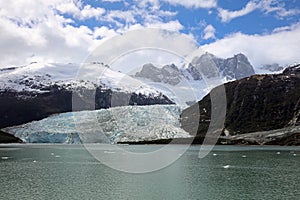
(257, 103)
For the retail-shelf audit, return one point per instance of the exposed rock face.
(167, 74)
(206, 65)
(209, 65)
(273, 67)
(257, 103)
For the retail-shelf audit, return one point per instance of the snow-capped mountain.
(38, 90)
(193, 81)
(37, 77)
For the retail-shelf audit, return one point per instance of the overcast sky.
(266, 31)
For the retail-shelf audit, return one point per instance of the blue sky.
(267, 31)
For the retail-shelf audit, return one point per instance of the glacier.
(113, 125)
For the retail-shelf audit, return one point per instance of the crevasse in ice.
(119, 124)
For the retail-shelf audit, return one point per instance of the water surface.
(228, 172)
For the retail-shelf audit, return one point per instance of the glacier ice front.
(119, 124)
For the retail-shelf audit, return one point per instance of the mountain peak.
(235, 67)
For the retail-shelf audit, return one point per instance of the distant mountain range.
(38, 90)
(205, 66)
(189, 83)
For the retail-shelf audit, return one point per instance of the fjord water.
(228, 172)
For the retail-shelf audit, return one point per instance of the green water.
(70, 172)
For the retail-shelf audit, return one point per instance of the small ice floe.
(34, 161)
(278, 153)
(57, 156)
(52, 154)
(294, 154)
(226, 166)
(4, 157)
(244, 156)
(109, 152)
(214, 154)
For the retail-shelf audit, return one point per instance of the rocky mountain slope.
(254, 104)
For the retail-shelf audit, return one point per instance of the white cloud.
(274, 6)
(37, 30)
(194, 3)
(209, 32)
(155, 4)
(266, 6)
(150, 4)
(112, 1)
(143, 39)
(90, 12)
(282, 46)
(34, 31)
(104, 32)
(79, 12)
(227, 15)
(116, 15)
(170, 26)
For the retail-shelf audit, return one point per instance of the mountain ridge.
(252, 105)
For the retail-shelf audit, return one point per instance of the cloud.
(76, 9)
(150, 4)
(194, 3)
(126, 16)
(35, 31)
(155, 4)
(112, 1)
(90, 12)
(103, 32)
(143, 40)
(265, 6)
(274, 6)
(227, 16)
(281, 46)
(40, 30)
(170, 26)
(209, 32)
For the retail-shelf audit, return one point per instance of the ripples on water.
(70, 172)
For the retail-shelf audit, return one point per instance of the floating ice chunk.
(244, 156)
(57, 156)
(226, 166)
(34, 161)
(109, 152)
(278, 153)
(4, 157)
(214, 154)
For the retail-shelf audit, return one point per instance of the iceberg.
(118, 124)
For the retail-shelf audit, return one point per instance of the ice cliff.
(119, 124)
